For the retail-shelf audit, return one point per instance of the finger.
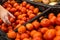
(11, 15)
(7, 20)
(3, 19)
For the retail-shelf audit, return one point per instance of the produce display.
(49, 2)
(46, 29)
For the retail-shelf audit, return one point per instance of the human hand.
(4, 15)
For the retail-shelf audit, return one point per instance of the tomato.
(16, 13)
(12, 20)
(20, 17)
(37, 34)
(17, 39)
(45, 22)
(24, 3)
(24, 18)
(24, 35)
(33, 32)
(15, 4)
(31, 7)
(17, 7)
(50, 34)
(36, 24)
(36, 10)
(13, 10)
(53, 20)
(8, 8)
(12, 2)
(21, 22)
(11, 34)
(29, 12)
(29, 26)
(21, 29)
(50, 15)
(27, 6)
(31, 16)
(23, 10)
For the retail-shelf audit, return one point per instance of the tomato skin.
(45, 22)
(1, 21)
(50, 34)
(57, 28)
(13, 10)
(12, 20)
(15, 4)
(31, 16)
(26, 39)
(16, 13)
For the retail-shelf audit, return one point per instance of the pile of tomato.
(46, 29)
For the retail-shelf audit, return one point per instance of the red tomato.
(53, 20)
(12, 20)
(31, 16)
(1, 21)
(36, 10)
(45, 22)
(13, 10)
(15, 4)
(57, 38)
(27, 6)
(24, 3)
(31, 7)
(16, 13)
(57, 27)
(17, 21)
(50, 15)
(58, 33)
(23, 10)
(50, 34)
(30, 12)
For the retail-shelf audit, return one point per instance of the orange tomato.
(31, 16)
(26, 39)
(13, 10)
(20, 17)
(11, 34)
(16, 13)
(50, 34)
(31, 7)
(18, 36)
(12, 20)
(45, 22)
(33, 32)
(58, 21)
(37, 38)
(36, 24)
(21, 29)
(29, 26)
(36, 10)
(58, 15)
(15, 4)
(50, 15)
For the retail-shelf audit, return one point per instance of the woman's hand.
(4, 15)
